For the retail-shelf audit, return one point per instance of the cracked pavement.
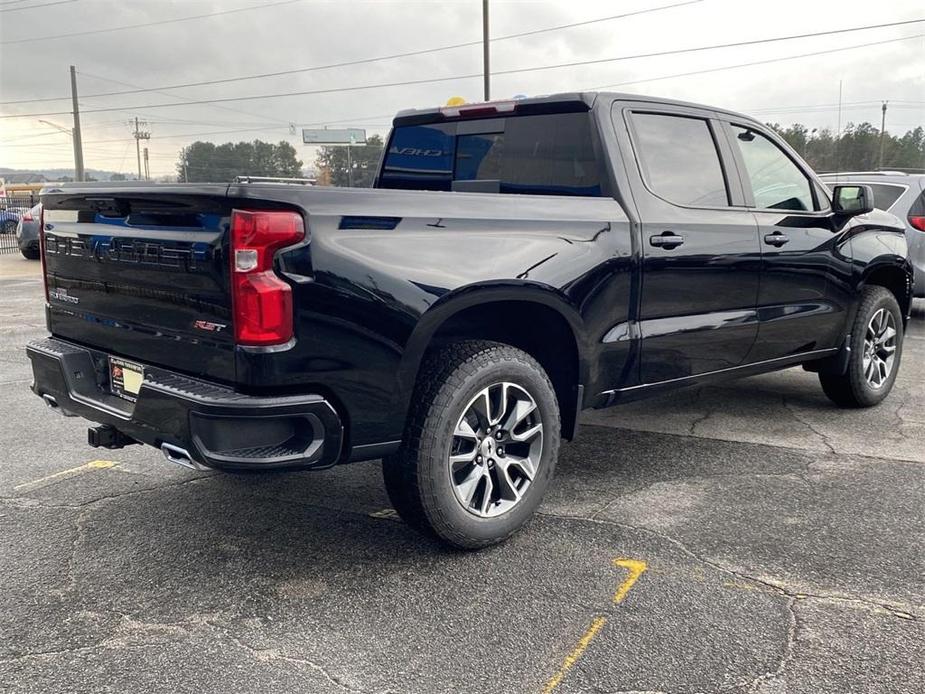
(783, 540)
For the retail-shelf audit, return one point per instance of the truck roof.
(551, 103)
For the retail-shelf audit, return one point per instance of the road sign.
(334, 136)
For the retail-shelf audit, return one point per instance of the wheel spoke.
(521, 410)
(466, 489)
(506, 487)
(886, 335)
(486, 497)
(523, 464)
(528, 434)
(464, 430)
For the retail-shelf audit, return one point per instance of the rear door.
(797, 306)
(143, 276)
(700, 254)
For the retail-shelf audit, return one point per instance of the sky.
(40, 39)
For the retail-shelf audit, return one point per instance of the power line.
(181, 98)
(363, 61)
(35, 7)
(750, 64)
(35, 39)
(520, 71)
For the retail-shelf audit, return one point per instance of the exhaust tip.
(180, 456)
(50, 401)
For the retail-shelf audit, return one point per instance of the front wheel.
(480, 446)
(8, 227)
(876, 349)
(30, 253)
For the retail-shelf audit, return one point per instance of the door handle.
(776, 239)
(666, 240)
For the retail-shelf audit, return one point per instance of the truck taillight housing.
(42, 254)
(917, 222)
(261, 302)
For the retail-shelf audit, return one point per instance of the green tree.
(857, 149)
(117, 177)
(331, 163)
(206, 161)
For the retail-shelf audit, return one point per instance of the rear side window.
(885, 196)
(548, 154)
(679, 159)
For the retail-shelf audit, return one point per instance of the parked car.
(902, 194)
(9, 218)
(27, 232)
(613, 247)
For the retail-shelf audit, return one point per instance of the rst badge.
(62, 295)
(209, 326)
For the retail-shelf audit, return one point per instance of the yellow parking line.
(92, 465)
(634, 569)
(596, 625)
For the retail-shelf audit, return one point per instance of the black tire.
(852, 389)
(30, 253)
(417, 478)
(9, 227)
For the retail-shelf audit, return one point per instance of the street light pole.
(485, 51)
(882, 131)
(78, 143)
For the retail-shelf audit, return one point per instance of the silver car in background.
(27, 232)
(901, 194)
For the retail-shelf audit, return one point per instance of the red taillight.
(261, 301)
(917, 223)
(42, 253)
(27, 217)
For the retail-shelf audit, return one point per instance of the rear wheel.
(876, 349)
(480, 446)
(30, 253)
(8, 227)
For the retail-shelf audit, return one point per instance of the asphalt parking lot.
(742, 538)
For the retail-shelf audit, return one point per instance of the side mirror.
(850, 201)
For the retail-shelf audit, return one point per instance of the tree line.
(858, 148)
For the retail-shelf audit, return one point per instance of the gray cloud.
(310, 33)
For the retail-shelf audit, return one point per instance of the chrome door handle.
(666, 240)
(776, 239)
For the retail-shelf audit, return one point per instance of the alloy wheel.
(879, 348)
(496, 450)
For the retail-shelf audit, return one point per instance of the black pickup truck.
(515, 263)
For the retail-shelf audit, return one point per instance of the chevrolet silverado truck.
(514, 264)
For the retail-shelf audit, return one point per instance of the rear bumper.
(215, 425)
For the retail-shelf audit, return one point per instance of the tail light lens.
(261, 301)
(42, 253)
(917, 222)
(27, 217)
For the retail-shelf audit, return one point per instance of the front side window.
(777, 183)
(679, 159)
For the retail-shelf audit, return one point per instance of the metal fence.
(12, 207)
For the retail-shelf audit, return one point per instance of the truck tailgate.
(143, 275)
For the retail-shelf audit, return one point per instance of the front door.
(700, 252)
(797, 310)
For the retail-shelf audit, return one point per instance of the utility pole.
(140, 135)
(78, 143)
(485, 61)
(882, 132)
(147, 169)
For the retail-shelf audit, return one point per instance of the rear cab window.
(545, 154)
